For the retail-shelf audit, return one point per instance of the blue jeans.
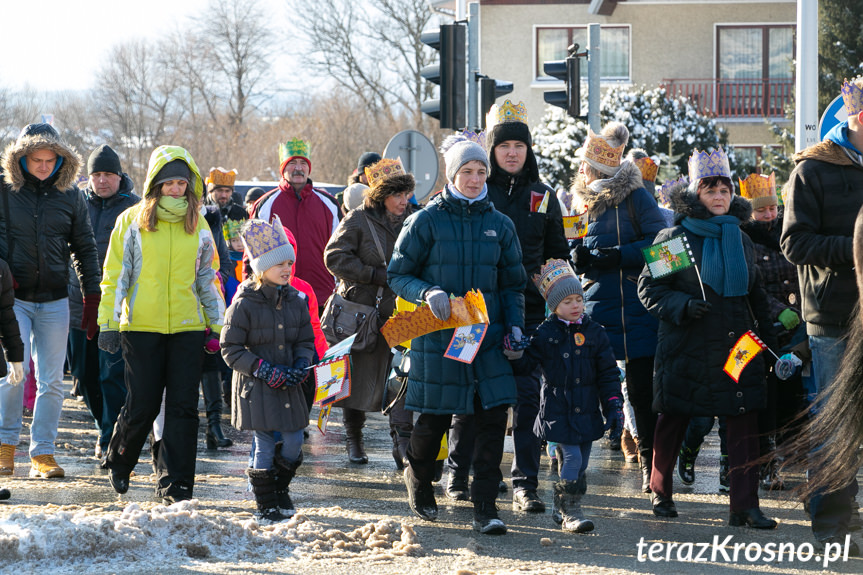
(264, 445)
(44, 328)
(830, 512)
(575, 459)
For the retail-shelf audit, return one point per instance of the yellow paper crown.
(295, 147)
(383, 169)
(760, 190)
(550, 273)
(506, 112)
(853, 98)
(221, 177)
(648, 168)
(704, 165)
(596, 149)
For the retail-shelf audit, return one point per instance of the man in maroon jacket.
(310, 213)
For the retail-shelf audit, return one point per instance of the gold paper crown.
(506, 112)
(477, 138)
(662, 194)
(648, 168)
(383, 169)
(596, 149)
(295, 147)
(551, 272)
(221, 177)
(704, 165)
(760, 190)
(853, 98)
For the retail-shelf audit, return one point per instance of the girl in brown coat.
(358, 254)
(269, 343)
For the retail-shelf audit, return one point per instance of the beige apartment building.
(734, 57)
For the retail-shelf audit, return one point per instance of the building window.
(755, 69)
(552, 42)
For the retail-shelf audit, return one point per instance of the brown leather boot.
(629, 447)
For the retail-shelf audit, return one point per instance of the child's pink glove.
(211, 341)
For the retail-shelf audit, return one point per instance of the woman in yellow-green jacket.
(161, 301)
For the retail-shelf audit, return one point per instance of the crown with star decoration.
(853, 98)
(704, 165)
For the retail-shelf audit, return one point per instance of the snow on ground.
(70, 539)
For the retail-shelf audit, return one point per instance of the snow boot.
(354, 419)
(420, 497)
(264, 487)
(285, 471)
(629, 446)
(211, 383)
(486, 520)
(567, 496)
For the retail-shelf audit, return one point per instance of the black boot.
(567, 501)
(211, 384)
(645, 475)
(285, 471)
(751, 517)
(353, 420)
(686, 464)
(724, 483)
(401, 440)
(264, 487)
(420, 496)
(457, 487)
(5, 494)
(486, 520)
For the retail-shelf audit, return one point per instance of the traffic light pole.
(593, 78)
(473, 66)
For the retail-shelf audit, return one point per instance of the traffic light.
(449, 73)
(567, 70)
(489, 91)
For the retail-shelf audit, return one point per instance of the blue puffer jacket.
(460, 247)
(611, 295)
(578, 379)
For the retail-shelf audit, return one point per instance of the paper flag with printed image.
(575, 226)
(465, 311)
(747, 347)
(668, 257)
(465, 342)
(341, 348)
(332, 380)
(324, 418)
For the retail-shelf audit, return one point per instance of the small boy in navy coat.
(580, 375)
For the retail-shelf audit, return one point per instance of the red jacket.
(312, 217)
(321, 345)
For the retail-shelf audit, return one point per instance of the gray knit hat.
(266, 244)
(556, 281)
(457, 151)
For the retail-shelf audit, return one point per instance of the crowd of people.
(150, 296)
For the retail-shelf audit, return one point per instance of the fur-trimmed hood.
(614, 190)
(686, 204)
(826, 151)
(13, 173)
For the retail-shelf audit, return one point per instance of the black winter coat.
(9, 332)
(104, 212)
(540, 235)
(690, 356)
(823, 195)
(43, 222)
(580, 375)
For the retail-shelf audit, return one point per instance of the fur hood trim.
(685, 203)
(389, 186)
(13, 173)
(614, 191)
(825, 151)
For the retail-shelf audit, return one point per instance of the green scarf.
(172, 210)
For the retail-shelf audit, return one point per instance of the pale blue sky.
(61, 44)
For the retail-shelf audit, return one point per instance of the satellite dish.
(419, 157)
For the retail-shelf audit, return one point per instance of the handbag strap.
(380, 293)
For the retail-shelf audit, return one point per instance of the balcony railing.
(749, 98)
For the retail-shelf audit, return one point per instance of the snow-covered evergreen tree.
(650, 116)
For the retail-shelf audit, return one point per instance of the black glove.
(295, 376)
(275, 376)
(614, 418)
(109, 341)
(608, 258)
(697, 308)
(582, 256)
(379, 276)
